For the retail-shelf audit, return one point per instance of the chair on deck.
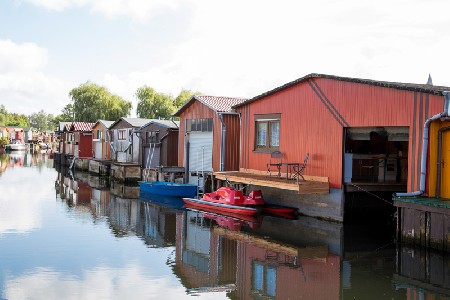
(298, 170)
(276, 161)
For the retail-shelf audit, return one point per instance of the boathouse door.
(200, 154)
(98, 149)
(445, 178)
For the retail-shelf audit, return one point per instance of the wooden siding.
(199, 111)
(106, 148)
(168, 147)
(232, 142)
(315, 112)
(194, 111)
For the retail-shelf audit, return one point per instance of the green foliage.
(153, 105)
(17, 120)
(4, 141)
(92, 102)
(41, 120)
(183, 97)
(65, 116)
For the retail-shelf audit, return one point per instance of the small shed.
(209, 135)
(159, 143)
(81, 133)
(100, 141)
(125, 143)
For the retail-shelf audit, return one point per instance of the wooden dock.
(424, 221)
(311, 184)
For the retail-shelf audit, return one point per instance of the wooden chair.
(298, 170)
(276, 161)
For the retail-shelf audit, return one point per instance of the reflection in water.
(98, 240)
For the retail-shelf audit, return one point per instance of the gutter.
(222, 143)
(423, 165)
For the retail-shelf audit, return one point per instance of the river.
(76, 236)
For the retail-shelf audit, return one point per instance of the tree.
(65, 116)
(92, 102)
(153, 105)
(183, 97)
(17, 120)
(41, 120)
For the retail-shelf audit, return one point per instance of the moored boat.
(222, 207)
(168, 188)
(17, 145)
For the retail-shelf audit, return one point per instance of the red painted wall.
(199, 111)
(309, 124)
(84, 145)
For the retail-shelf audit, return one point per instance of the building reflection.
(211, 258)
(258, 258)
(15, 159)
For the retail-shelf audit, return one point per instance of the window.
(99, 134)
(267, 132)
(122, 134)
(264, 281)
(202, 125)
(151, 136)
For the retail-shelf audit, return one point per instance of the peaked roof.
(217, 104)
(424, 88)
(134, 122)
(64, 126)
(81, 126)
(164, 123)
(105, 123)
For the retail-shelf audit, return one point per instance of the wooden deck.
(311, 185)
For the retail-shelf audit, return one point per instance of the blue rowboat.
(168, 188)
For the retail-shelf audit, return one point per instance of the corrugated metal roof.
(423, 88)
(82, 126)
(216, 103)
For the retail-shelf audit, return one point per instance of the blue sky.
(236, 48)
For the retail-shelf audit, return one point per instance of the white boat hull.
(17, 147)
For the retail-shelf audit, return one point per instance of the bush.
(4, 141)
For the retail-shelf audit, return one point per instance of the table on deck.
(289, 166)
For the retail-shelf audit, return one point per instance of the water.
(83, 238)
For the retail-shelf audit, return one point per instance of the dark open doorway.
(375, 166)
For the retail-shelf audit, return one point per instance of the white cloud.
(138, 10)
(244, 48)
(25, 87)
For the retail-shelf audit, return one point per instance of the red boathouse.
(362, 134)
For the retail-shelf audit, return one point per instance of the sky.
(234, 48)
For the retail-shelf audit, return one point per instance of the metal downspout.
(222, 144)
(439, 163)
(171, 119)
(423, 164)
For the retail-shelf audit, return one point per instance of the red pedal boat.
(225, 199)
(231, 200)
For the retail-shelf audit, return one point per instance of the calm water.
(64, 237)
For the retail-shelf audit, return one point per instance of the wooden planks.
(318, 186)
(318, 253)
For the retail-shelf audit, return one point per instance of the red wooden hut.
(82, 139)
(209, 135)
(357, 132)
